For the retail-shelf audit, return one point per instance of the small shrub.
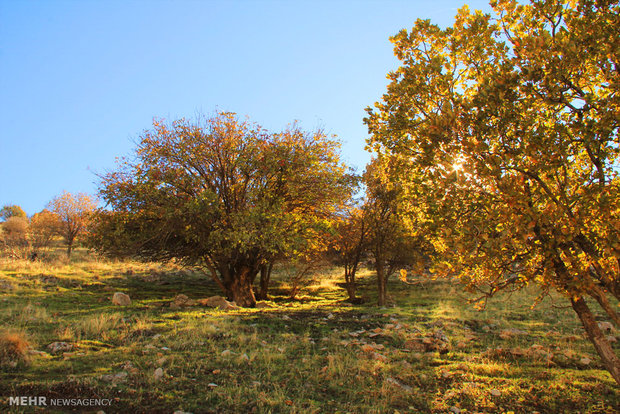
(14, 348)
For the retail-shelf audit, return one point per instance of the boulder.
(121, 299)
(265, 305)
(606, 327)
(218, 302)
(114, 378)
(181, 301)
(56, 347)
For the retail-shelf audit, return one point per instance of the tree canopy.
(503, 134)
(73, 213)
(12, 210)
(223, 194)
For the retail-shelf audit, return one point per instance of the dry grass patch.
(14, 348)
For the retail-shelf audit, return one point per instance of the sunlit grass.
(314, 353)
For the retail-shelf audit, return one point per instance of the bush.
(14, 348)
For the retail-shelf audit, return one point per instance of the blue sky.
(79, 80)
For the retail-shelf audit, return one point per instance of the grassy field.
(428, 352)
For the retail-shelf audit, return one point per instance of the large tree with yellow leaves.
(223, 194)
(503, 134)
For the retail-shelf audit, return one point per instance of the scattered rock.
(212, 385)
(455, 410)
(114, 378)
(121, 299)
(395, 382)
(181, 412)
(181, 301)
(56, 347)
(226, 353)
(585, 361)
(264, 305)
(158, 374)
(218, 302)
(495, 392)
(606, 327)
(244, 358)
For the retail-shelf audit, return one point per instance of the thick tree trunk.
(351, 289)
(349, 283)
(265, 276)
(240, 290)
(601, 344)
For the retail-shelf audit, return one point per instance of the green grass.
(315, 354)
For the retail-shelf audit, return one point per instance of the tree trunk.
(69, 248)
(241, 290)
(265, 276)
(601, 344)
(349, 283)
(351, 288)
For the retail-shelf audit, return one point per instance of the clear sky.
(79, 80)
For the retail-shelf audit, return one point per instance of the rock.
(495, 392)
(182, 300)
(114, 378)
(455, 410)
(158, 374)
(212, 385)
(244, 358)
(226, 353)
(585, 361)
(606, 327)
(264, 305)
(218, 302)
(56, 347)
(181, 412)
(395, 382)
(121, 299)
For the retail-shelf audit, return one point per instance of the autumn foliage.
(503, 133)
(222, 194)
